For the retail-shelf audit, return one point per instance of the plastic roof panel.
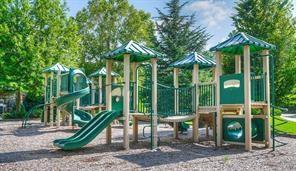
(193, 58)
(55, 68)
(138, 52)
(103, 72)
(234, 45)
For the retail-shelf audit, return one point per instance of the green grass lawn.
(284, 127)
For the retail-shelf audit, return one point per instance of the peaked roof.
(193, 58)
(103, 72)
(234, 45)
(137, 51)
(55, 68)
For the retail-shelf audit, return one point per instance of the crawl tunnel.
(234, 129)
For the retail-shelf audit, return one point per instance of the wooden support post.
(135, 128)
(78, 103)
(93, 91)
(45, 114)
(51, 101)
(134, 80)
(126, 101)
(213, 73)
(247, 91)
(58, 117)
(176, 85)
(267, 92)
(108, 98)
(101, 89)
(218, 72)
(135, 119)
(154, 101)
(237, 64)
(195, 126)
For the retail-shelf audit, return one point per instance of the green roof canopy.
(138, 52)
(103, 72)
(55, 68)
(234, 45)
(193, 58)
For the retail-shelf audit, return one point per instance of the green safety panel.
(260, 124)
(232, 89)
(234, 129)
(258, 88)
(64, 83)
(117, 103)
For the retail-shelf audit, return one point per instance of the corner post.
(108, 98)
(101, 89)
(58, 118)
(45, 114)
(51, 100)
(176, 85)
(195, 81)
(154, 101)
(247, 105)
(218, 73)
(126, 101)
(93, 91)
(267, 92)
(135, 101)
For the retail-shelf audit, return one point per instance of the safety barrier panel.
(258, 92)
(207, 94)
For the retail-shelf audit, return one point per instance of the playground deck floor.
(32, 149)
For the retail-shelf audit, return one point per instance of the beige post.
(58, 119)
(135, 118)
(108, 98)
(100, 89)
(126, 101)
(93, 91)
(176, 85)
(195, 126)
(237, 64)
(154, 101)
(45, 115)
(51, 100)
(247, 91)
(267, 91)
(218, 72)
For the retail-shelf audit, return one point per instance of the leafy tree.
(104, 24)
(19, 62)
(34, 34)
(178, 34)
(272, 21)
(55, 33)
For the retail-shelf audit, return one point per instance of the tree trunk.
(18, 100)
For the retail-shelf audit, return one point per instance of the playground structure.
(58, 83)
(225, 103)
(237, 94)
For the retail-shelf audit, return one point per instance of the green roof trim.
(234, 45)
(138, 52)
(102, 72)
(193, 58)
(55, 68)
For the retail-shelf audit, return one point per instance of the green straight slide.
(88, 132)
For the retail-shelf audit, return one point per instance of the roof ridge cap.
(244, 35)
